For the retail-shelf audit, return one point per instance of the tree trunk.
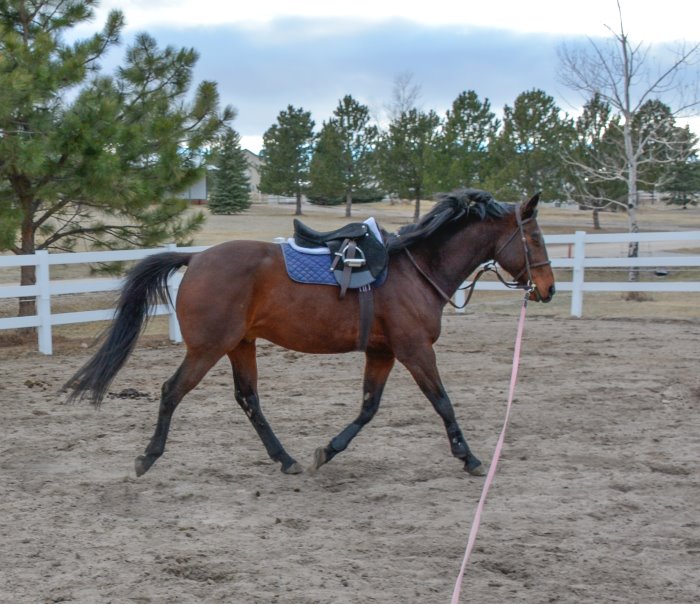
(297, 212)
(348, 204)
(633, 249)
(27, 305)
(416, 212)
(596, 219)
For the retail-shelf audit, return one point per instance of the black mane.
(450, 207)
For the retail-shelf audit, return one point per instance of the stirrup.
(357, 262)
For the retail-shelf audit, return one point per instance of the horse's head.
(521, 251)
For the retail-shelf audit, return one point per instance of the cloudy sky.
(267, 54)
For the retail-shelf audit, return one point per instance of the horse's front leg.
(377, 369)
(245, 377)
(423, 367)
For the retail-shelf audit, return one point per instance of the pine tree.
(91, 157)
(683, 185)
(405, 153)
(358, 138)
(231, 192)
(286, 155)
(526, 154)
(462, 147)
(325, 172)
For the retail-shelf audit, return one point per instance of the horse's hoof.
(294, 468)
(141, 465)
(478, 470)
(320, 458)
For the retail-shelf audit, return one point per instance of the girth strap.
(365, 294)
(366, 297)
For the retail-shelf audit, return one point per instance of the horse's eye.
(536, 237)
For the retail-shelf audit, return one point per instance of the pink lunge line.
(496, 454)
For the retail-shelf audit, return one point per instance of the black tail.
(146, 285)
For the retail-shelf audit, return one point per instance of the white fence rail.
(45, 289)
(577, 258)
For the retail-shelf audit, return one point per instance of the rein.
(491, 266)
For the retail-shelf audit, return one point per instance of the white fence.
(567, 251)
(579, 258)
(45, 289)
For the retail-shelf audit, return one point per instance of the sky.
(268, 54)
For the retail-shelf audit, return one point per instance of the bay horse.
(236, 292)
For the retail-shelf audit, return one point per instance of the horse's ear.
(527, 210)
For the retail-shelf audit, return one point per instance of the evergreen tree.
(325, 173)
(358, 137)
(597, 137)
(463, 144)
(90, 157)
(341, 165)
(286, 155)
(527, 154)
(665, 146)
(683, 184)
(231, 191)
(405, 153)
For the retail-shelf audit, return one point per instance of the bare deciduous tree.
(628, 76)
(404, 95)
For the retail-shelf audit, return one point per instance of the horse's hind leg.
(377, 369)
(187, 376)
(245, 377)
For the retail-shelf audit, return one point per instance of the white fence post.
(459, 298)
(43, 302)
(173, 284)
(173, 323)
(577, 278)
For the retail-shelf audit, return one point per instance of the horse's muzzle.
(537, 297)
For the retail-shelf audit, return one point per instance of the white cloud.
(265, 55)
(645, 20)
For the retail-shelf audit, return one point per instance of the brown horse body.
(238, 292)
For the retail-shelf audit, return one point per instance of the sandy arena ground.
(596, 498)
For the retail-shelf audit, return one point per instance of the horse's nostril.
(552, 290)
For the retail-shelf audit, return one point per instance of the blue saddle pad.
(308, 268)
(313, 268)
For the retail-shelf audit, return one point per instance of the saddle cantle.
(359, 256)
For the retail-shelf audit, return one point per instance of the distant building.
(254, 163)
(198, 193)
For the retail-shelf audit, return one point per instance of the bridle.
(528, 265)
(492, 266)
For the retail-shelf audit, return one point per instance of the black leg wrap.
(341, 442)
(458, 445)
